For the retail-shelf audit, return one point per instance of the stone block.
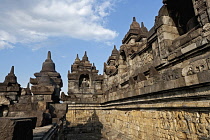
(149, 82)
(165, 20)
(188, 48)
(56, 120)
(206, 27)
(180, 82)
(169, 85)
(185, 40)
(22, 107)
(167, 36)
(42, 90)
(24, 114)
(16, 129)
(13, 88)
(25, 99)
(199, 41)
(3, 88)
(47, 98)
(204, 76)
(172, 56)
(33, 120)
(4, 100)
(191, 80)
(167, 28)
(12, 96)
(141, 77)
(58, 110)
(195, 33)
(41, 106)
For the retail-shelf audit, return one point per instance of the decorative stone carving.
(47, 81)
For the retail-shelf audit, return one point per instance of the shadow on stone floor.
(89, 131)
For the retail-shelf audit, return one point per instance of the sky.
(29, 29)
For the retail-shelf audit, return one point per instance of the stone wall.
(157, 85)
(172, 123)
(83, 124)
(155, 124)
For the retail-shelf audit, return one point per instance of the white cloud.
(34, 21)
(5, 44)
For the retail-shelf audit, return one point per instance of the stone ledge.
(135, 105)
(45, 132)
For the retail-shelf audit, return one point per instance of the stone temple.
(156, 86)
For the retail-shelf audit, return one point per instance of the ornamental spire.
(85, 58)
(12, 71)
(49, 55)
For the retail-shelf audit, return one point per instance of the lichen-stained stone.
(4, 101)
(204, 76)
(14, 129)
(47, 82)
(191, 80)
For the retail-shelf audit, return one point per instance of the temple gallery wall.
(156, 86)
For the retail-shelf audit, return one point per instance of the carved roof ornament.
(143, 28)
(85, 58)
(163, 11)
(77, 60)
(94, 67)
(48, 65)
(28, 90)
(11, 78)
(49, 55)
(114, 55)
(136, 32)
(165, 2)
(134, 24)
(115, 52)
(12, 71)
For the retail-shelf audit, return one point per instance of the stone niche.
(84, 82)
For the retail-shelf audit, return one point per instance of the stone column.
(202, 11)
(166, 31)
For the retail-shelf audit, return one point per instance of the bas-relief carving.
(157, 124)
(196, 67)
(172, 74)
(140, 61)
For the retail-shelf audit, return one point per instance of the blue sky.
(28, 29)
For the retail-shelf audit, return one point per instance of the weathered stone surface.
(23, 114)
(48, 81)
(16, 129)
(58, 110)
(156, 86)
(4, 101)
(143, 124)
(47, 132)
(25, 99)
(9, 89)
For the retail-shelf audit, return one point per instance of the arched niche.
(84, 80)
(183, 14)
(123, 56)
